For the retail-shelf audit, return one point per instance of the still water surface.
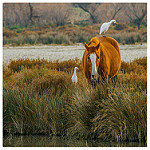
(61, 53)
(55, 141)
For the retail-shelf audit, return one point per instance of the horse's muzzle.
(94, 77)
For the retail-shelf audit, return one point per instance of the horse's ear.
(86, 46)
(98, 45)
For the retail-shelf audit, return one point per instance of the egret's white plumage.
(105, 26)
(74, 77)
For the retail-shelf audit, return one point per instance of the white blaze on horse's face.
(94, 72)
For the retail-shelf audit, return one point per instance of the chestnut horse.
(101, 58)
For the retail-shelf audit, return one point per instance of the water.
(61, 53)
(55, 141)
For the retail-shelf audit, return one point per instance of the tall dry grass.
(69, 34)
(39, 98)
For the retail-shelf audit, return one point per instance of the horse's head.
(93, 58)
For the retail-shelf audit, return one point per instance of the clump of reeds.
(39, 97)
(122, 115)
(35, 102)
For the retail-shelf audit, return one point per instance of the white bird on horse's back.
(74, 77)
(105, 26)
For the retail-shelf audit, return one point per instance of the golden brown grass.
(39, 97)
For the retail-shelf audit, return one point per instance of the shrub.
(16, 65)
(8, 34)
(138, 66)
(120, 26)
(66, 66)
(60, 39)
(46, 38)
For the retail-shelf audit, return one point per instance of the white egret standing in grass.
(74, 77)
(105, 26)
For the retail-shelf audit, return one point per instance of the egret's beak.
(77, 68)
(116, 22)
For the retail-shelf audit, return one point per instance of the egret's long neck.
(110, 22)
(75, 72)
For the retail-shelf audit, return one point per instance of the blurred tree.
(116, 8)
(31, 12)
(35, 13)
(109, 11)
(136, 12)
(89, 8)
(15, 13)
(33, 18)
(60, 13)
(51, 13)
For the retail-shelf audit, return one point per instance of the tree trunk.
(138, 26)
(31, 13)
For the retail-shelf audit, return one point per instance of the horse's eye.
(88, 57)
(97, 57)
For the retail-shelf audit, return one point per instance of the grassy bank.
(69, 34)
(39, 98)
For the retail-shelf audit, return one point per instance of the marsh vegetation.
(70, 34)
(39, 98)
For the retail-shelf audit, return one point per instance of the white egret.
(105, 26)
(74, 77)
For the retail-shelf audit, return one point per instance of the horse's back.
(110, 47)
(113, 42)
